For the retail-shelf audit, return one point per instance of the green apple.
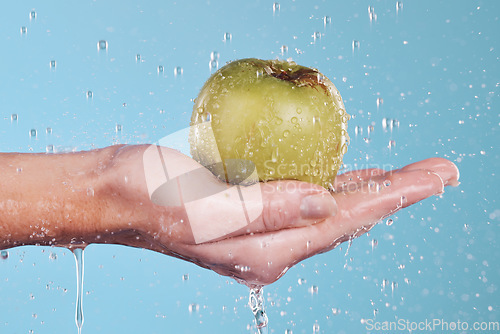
(289, 120)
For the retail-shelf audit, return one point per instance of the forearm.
(53, 199)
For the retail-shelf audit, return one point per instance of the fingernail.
(318, 206)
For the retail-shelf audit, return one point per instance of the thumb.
(287, 204)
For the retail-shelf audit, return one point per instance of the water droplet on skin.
(13, 118)
(227, 37)
(90, 95)
(276, 7)
(102, 45)
(178, 71)
(137, 58)
(4, 255)
(33, 133)
(355, 44)
(32, 15)
(387, 183)
(24, 30)
(389, 222)
(327, 20)
(118, 128)
(160, 69)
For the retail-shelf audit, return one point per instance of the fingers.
(446, 169)
(351, 179)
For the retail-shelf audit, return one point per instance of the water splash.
(256, 302)
(78, 252)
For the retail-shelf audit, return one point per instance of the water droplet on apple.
(294, 120)
(286, 133)
(259, 73)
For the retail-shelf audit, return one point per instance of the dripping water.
(256, 302)
(78, 252)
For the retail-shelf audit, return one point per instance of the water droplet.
(256, 303)
(316, 328)
(78, 252)
(185, 277)
(52, 256)
(294, 120)
(395, 123)
(392, 143)
(313, 290)
(358, 130)
(102, 45)
(370, 128)
(160, 69)
(118, 128)
(4, 255)
(371, 14)
(385, 121)
(276, 7)
(214, 55)
(213, 65)
(193, 307)
(327, 20)
(90, 95)
(33, 133)
(13, 118)
(208, 117)
(335, 311)
(19, 170)
(399, 6)
(316, 35)
(137, 58)
(407, 281)
(284, 50)
(389, 222)
(301, 281)
(227, 37)
(178, 71)
(288, 331)
(32, 15)
(355, 45)
(24, 30)
(374, 243)
(52, 64)
(49, 149)
(380, 101)
(48, 130)
(387, 183)
(286, 133)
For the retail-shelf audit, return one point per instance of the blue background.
(436, 66)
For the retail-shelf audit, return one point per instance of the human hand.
(289, 228)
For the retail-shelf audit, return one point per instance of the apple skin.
(289, 120)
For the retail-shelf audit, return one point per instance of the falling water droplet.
(385, 121)
(380, 101)
(137, 58)
(374, 243)
(160, 69)
(118, 128)
(178, 71)
(48, 130)
(78, 252)
(335, 311)
(227, 37)
(394, 286)
(4, 254)
(358, 130)
(32, 15)
(24, 30)
(392, 143)
(13, 118)
(399, 6)
(49, 149)
(102, 45)
(288, 331)
(327, 20)
(33, 133)
(389, 222)
(276, 8)
(213, 65)
(313, 290)
(316, 328)
(284, 50)
(52, 64)
(316, 35)
(90, 95)
(355, 45)
(52, 256)
(193, 307)
(185, 277)
(214, 55)
(256, 303)
(371, 14)
(301, 281)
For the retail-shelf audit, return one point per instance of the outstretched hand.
(297, 219)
